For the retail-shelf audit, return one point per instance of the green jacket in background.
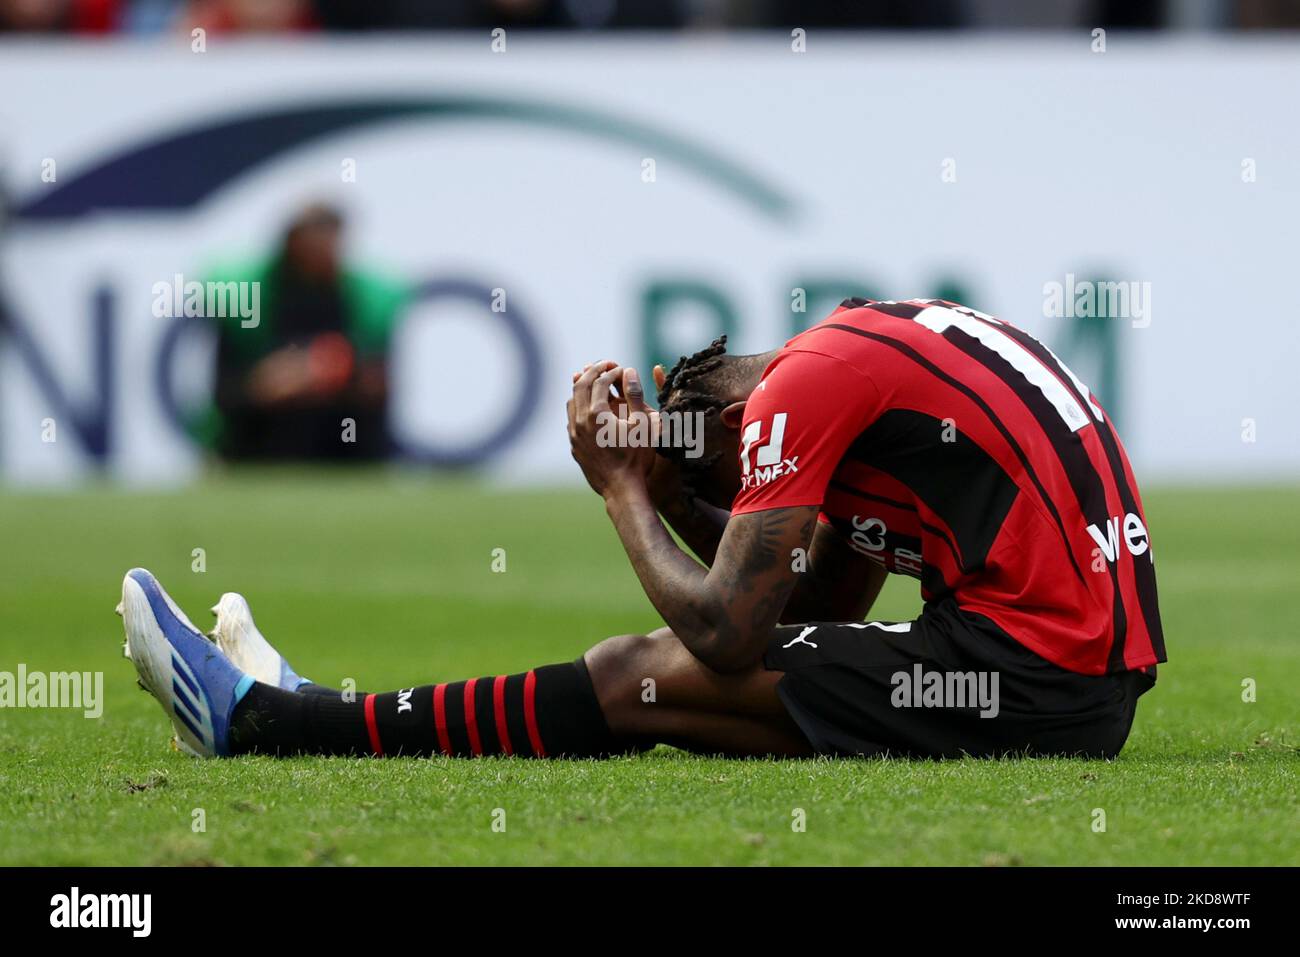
(372, 303)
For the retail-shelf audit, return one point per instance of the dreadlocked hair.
(675, 391)
(683, 393)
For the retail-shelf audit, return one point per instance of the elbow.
(726, 654)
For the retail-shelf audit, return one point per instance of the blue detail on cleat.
(205, 686)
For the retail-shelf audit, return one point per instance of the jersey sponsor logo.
(868, 535)
(868, 539)
(767, 462)
(1135, 537)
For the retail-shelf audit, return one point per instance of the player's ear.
(733, 415)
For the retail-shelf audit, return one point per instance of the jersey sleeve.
(799, 422)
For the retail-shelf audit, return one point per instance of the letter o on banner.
(523, 406)
(164, 375)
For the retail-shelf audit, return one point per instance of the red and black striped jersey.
(953, 447)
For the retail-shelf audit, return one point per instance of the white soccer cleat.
(237, 635)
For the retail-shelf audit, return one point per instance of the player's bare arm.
(725, 614)
(835, 583)
(838, 583)
(698, 524)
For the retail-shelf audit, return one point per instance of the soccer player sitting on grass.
(921, 438)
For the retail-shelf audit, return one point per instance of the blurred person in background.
(153, 16)
(59, 16)
(1267, 14)
(316, 357)
(867, 14)
(508, 14)
(248, 16)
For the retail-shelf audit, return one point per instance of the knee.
(617, 659)
(619, 667)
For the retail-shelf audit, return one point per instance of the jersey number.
(984, 329)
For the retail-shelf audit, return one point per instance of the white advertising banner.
(567, 200)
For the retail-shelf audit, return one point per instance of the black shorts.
(949, 684)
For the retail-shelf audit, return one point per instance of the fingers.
(660, 376)
(601, 386)
(632, 390)
(582, 387)
(636, 402)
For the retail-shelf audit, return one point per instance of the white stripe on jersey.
(939, 318)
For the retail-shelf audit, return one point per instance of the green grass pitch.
(388, 579)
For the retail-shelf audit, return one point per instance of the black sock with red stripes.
(550, 711)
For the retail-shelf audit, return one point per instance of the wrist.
(627, 488)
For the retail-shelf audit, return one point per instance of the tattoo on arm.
(838, 583)
(753, 578)
(725, 614)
